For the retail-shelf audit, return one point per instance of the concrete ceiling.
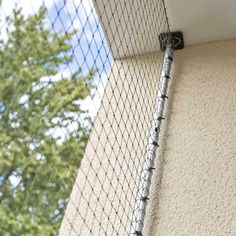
(132, 27)
(202, 20)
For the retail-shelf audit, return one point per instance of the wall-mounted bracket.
(174, 38)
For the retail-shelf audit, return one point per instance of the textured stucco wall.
(196, 193)
(109, 174)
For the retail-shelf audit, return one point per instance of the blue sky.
(89, 38)
(67, 15)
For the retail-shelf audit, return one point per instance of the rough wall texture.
(103, 196)
(196, 193)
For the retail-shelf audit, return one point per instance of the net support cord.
(148, 165)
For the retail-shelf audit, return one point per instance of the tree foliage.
(38, 168)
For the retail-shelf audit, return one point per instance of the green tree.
(37, 169)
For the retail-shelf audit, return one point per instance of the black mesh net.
(79, 80)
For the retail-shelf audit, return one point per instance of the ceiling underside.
(132, 27)
(203, 20)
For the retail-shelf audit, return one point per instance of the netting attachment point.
(144, 199)
(160, 118)
(175, 38)
(155, 143)
(167, 76)
(151, 168)
(164, 96)
(138, 233)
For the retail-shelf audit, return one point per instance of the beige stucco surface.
(103, 196)
(196, 193)
(193, 189)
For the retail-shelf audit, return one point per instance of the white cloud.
(28, 6)
(14, 180)
(80, 11)
(92, 104)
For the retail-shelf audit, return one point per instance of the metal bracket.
(174, 38)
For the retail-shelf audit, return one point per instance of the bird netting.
(79, 81)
